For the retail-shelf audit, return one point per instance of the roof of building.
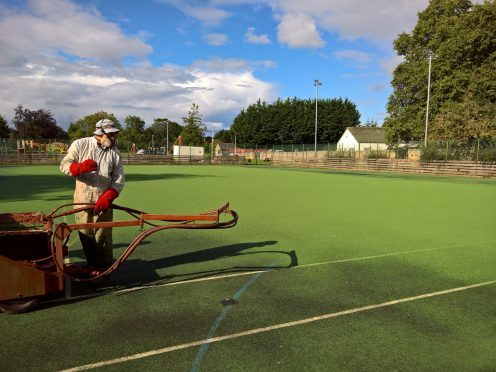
(368, 134)
(226, 145)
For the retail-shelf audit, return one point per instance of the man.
(96, 164)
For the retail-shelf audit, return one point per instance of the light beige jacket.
(90, 186)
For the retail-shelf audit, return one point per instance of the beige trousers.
(97, 243)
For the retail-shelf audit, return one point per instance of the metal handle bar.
(209, 219)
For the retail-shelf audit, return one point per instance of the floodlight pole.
(167, 153)
(212, 152)
(428, 97)
(316, 83)
(153, 145)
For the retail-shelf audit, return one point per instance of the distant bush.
(342, 154)
(376, 154)
(484, 152)
(430, 154)
(487, 155)
(402, 153)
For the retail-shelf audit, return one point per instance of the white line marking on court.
(390, 254)
(217, 277)
(133, 289)
(272, 328)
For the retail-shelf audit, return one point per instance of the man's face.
(107, 140)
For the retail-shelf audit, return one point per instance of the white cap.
(105, 126)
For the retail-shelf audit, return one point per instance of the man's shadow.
(137, 272)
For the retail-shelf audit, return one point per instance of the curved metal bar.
(182, 222)
(87, 206)
(52, 214)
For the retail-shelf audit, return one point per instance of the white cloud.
(52, 59)
(389, 64)
(71, 91)
(210, 15)
(215, 39)
(213, 125)
(55, 26)
(356, 56)
(252, 38)
(298, 30)
(232, 64)
(227, 91)
(378, 87)
(379, 20)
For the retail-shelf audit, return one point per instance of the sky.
(154, 58)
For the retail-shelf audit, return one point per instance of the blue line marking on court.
(211, 333)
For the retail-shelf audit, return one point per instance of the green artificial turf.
(335, 241)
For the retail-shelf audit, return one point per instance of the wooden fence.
(19, 158)
(448, 168)
(181, 159)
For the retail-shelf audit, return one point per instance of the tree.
(38, 124)
(133, 132)
(4, 128)
(462, 40)
(224, 136)
(159, 130)
(194, 129)
(292, 121)
(370, 124)
(464, 120)
(86, 126)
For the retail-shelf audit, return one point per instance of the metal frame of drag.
(33, 247)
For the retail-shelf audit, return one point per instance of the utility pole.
(212, 152)
(316, 83)
(428, 97)
(167, 137)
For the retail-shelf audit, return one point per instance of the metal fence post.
(478, 147)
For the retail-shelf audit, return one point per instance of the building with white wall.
(363, 139)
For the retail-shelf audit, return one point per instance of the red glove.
(105, 201)
(88, 165)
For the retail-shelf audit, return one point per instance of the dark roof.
(368, 134)
(226, 145)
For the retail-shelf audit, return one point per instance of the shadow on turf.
(136, 177)
(438, 328)
(29, 187)
(78, 253)
(136, 273)
(403, 176)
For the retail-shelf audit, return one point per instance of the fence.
(182, 159)
(475, 150)
(447, 168)
(472, 158)
(29, 158)
(31, 151)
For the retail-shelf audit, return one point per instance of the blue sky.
(153, 58)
